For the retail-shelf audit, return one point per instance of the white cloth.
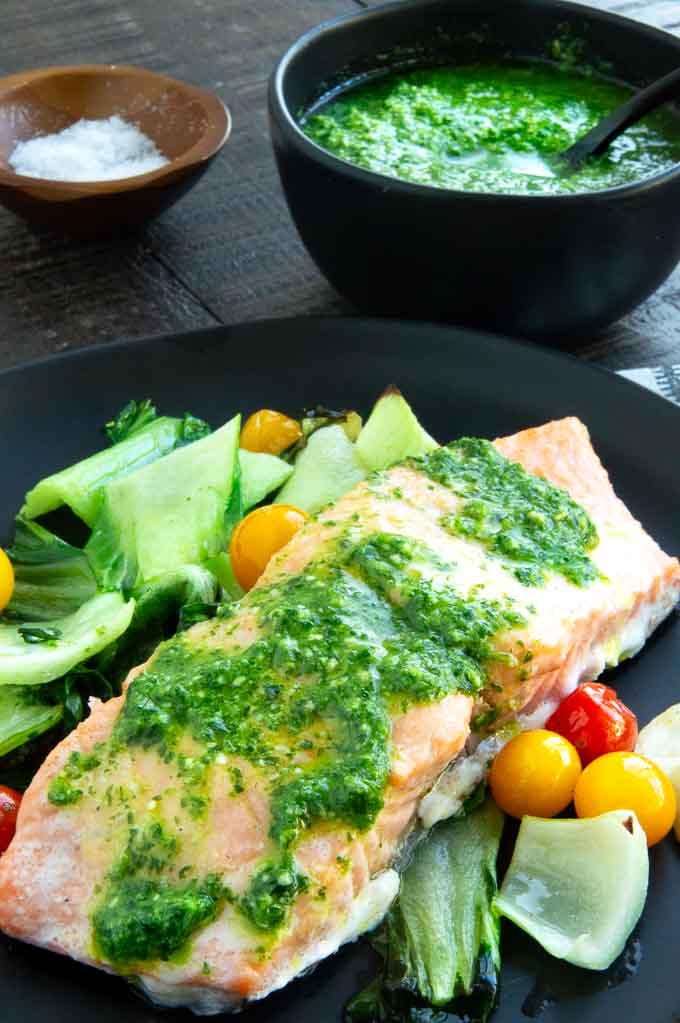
(664, 380)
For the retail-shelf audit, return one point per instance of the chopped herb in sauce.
(145, 919)
(63, 789)
(529, 523)
(144, 915)
(237, 785)
(273, 888)
(490, 128)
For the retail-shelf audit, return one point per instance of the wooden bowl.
(188, 125)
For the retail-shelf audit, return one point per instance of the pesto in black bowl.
(490, 128)
(439, 228)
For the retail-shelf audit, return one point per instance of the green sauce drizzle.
(530, 524)
(273, 888)
(63, 789)
(144, 915)
(145, 919)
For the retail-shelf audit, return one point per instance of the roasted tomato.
(595, 721)
(627, 781)
(9, 808)
(535, 773)
(259, 536)
(6, 580)
(270, 432)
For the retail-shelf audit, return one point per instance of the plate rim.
(124, 344)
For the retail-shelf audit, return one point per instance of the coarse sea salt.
(101, 150)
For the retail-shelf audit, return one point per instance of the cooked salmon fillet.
(54, 873)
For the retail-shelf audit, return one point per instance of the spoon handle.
(605, 131)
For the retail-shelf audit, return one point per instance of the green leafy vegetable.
(192, 614)
(80, 485)
(318, 416)
(137, 415)
(391, 433)
(261, 474)
(73, 692)
(132, 417)
(159, 604)
(60, 630)
(440, 940)
(193, 429)
(22, 717)
(99, 621)
(325, 470)
(170, 513)
(51, 578)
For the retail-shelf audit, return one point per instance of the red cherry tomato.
(595, 721)
(9, 808)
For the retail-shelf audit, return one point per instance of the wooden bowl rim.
(217, 133)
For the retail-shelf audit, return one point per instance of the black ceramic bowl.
(542, 266)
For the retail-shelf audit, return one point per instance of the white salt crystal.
(102, 150)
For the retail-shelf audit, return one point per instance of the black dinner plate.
(458, 382)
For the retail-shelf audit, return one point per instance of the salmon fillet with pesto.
(237, 813)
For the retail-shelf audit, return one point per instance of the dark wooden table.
(228, 251)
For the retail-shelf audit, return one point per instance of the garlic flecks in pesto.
(490, 128)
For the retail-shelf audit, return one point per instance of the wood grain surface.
(228, 251)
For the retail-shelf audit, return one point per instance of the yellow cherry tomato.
(270, 431)
(6, 580)
(627, 781)
(535, 774)
(259, 536)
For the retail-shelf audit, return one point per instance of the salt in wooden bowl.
(188, 125)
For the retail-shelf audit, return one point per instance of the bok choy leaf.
(441, 939)
(98, 622)
(56, 617)
(23, 718)
(138, 435)
(80, 485)
(261, 474)
(132, 417)
(158, 606)
(170, 513)
(51, 578)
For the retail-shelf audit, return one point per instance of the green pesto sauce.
(533, 526)
(273, 888)
(65, 787)
(146, 916)
(490, 128)
(341, 644)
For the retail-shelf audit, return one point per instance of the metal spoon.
(605, 131)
